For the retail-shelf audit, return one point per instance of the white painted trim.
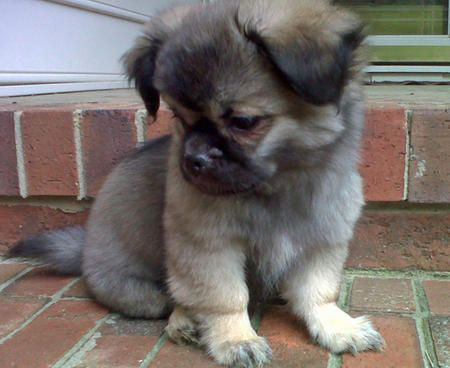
(403, 77)
(33, 78)
(407, 69)
(32, 89)
(408, 40)
(105, 9)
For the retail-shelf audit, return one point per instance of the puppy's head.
(255, 85)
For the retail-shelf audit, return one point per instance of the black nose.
(201, 163)
(197, 163)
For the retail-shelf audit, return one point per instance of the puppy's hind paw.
(182, 330)
(252, 353)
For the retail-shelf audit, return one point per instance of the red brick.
(440, 331)
(14, 313)
(49, 151)
(402, 346)
(386, 295)
(45, 340)
(438, 295)
(9, 181)
(78, 290)
(119, 351)
(122, 326)
(383, 163)
(162, 125)
(20, 221)
(401, 240)
(37, 283)
(182, 356)
(9, 270)
(429, 174)
(108, 135)
(290, 342)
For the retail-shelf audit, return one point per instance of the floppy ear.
(140, 64)
(140, 61)
(313, 49)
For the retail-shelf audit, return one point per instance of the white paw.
(252, 353)
(338, 332)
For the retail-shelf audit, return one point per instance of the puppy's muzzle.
(201, 161)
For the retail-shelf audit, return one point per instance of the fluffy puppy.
(258, 181)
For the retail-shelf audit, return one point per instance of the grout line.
(15, 278)
(54, 299)
(386, 274)
(345, 292)
(334, 361)
(20, 155)
(73, 357)
(420, 298)
(78, 137)
(76, 298)
(154, 351)
(257, 316)
(408, 117)
(422, 326)
(140, 120)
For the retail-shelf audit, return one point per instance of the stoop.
(55, 151)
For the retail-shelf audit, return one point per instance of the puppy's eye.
(244, 122)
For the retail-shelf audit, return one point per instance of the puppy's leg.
(312, 289)
(210, 284)
(181, 328)
(128, 294)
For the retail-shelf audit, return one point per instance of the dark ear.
(312, 57)
(140, 64)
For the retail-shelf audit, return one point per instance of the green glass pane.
(410, 54)
(402, 17)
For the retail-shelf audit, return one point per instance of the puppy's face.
(255, 87)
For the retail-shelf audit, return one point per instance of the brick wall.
(54, 159)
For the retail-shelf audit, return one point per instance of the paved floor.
(50, 321)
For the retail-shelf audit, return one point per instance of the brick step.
(56, 150)
(51, 147)
(392, 239)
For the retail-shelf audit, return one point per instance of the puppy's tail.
(61, 250)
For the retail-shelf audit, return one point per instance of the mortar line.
(20, 155)
(140, 120)
(13, 279)
(257, 316)
(419, 275)
(345, 293)
(78, 138)
(421, 317)
(408, 116)
(334, 361)
(54, 299)
(64, 362)
(154, 351)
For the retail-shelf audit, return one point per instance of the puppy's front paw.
(337, 331)
(252, 353)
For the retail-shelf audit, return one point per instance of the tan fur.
(205, 255)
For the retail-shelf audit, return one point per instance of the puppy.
(259, 179)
